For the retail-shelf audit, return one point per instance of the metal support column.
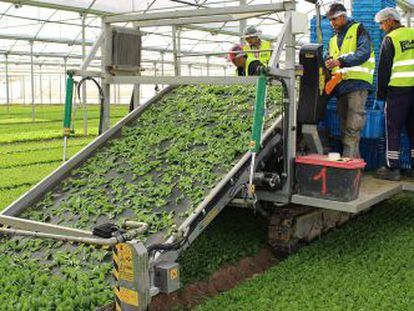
(162, 67)
(65, 59)
(50, 89)
(242, 23)
(114, 90)
(176, 33)
(23, 88)
(7, 83)
(118, 91)
(189, 69)
(137, 88)
(409, 15)
(106, 52)
(225, 71)
(32, 81)
(208, 64)
(41, 84)
(60, 88)
(290, 131)
(84, 102)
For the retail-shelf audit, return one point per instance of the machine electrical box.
(126, 49)
(312, 98)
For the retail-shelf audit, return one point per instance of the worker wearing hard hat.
(261, 49)
(245, 64)
(351, 58)
(396, 86)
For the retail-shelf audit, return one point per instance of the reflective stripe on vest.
(402, 73)
(264, 57)
(363, 72)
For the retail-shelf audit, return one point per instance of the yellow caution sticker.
(173, 274)
(124, 260)
(127, 296)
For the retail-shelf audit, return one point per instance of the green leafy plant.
(172, 155)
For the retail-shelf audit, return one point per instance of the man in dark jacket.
(396, 86)
(350, 55)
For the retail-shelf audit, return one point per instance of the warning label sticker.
(125, 262)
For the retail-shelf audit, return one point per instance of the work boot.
(387, 173)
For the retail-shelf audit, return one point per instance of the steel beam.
(197, 20)
(183, 80)
(58, 6)
(215, 30)
(212, 12)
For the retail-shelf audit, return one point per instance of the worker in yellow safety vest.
(350, 57)
(245, 64)
(261, 49)
(396, 86)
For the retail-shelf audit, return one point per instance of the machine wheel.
(290, 227)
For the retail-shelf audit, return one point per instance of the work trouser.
(351, 110)
(399, 113)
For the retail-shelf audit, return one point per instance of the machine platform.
(372, 191)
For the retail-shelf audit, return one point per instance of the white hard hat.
(251, 31)
(387, 13)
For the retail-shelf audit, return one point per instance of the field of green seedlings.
(365, 265)
(28, 152)
(171, 157)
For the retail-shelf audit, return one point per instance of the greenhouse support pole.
(65, 59)
(84, 101)
(119, 93)
(162, 67)
(106, 52)
(242, 24)
(113, 93)
(189, 69)
(50, 89)
(60, 88)
(41, 84)
(23, 89)
(7, 83)
(409, 13)
(137, 87)
(208, 65)
(176, 33)
(32, 85)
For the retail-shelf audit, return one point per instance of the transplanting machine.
(323, 194)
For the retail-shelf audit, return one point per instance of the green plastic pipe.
(258, 115)
(68, 105)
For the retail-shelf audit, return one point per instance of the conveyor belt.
(184, 215)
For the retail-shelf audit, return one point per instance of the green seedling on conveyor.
(157, 171)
